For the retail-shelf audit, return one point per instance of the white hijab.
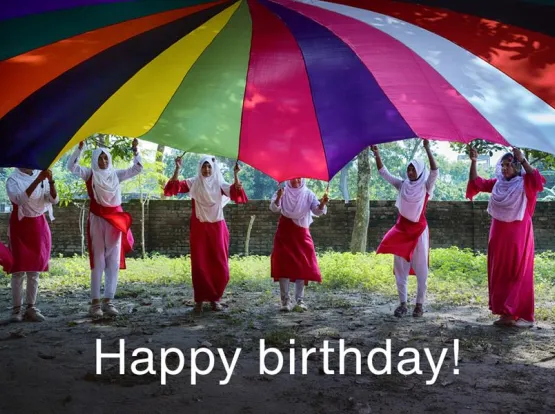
(105, 183)
(39, 201)
(508, 200)
(296, 203)
(207, 192)
(411, 197)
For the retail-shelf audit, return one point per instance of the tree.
(4, 174)
(362, 216)
(160, 167)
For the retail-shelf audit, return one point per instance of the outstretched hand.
(375, 150)
(178, 162)
(473, 154)
(81, 145)
(426, 143)
(135, 145)
(44, 174)
(518, 154)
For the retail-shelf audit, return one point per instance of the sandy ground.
(50, 367)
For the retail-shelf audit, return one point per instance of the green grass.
(457, 277)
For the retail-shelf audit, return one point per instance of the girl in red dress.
(409, 239)
(293, 256)
(209, 236)
(32, 194)
(511, 238)
(108, 227)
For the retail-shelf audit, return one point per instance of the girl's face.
(103, 161)
(411, 173)
(295, 182)
(206, 169)
(508, 168)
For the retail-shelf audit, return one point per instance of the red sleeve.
(174, 187)
(533, 183)
(479, 185)
(238, 196)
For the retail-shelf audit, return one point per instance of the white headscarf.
(508, 198)
(411, 197)
(296, 203)
(207, 192)
(105, 183)
(39, 201)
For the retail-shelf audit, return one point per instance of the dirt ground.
(50, 367)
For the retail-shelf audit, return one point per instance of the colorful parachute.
(292, 88)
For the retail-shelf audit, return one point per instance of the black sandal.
(418, 311)
(400, 311)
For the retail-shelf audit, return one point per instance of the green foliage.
(4, 174)
(120, 147)
(483, 147)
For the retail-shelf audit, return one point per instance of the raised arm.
(433, 164)
(136, 168)
(275, 204)
(73, 164)
(52, 194)
(520, 158)
(376, 151)
(383, 171)
(235, 191)
(477, 184)
(319, 207)
(434, 173)
(473, 174)
(174, 186)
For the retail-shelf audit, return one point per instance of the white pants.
(106, 247)
(284, 288)
(419, 264)
(32, 288)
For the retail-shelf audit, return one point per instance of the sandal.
(198, 307)
(217, 306)
(400, 311)
(418, 311)
(504, 320)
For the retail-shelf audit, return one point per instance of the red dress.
(511, 253)
(209, 243)
(117, 218)
(402, 239)
(293, 256)
(30, 243)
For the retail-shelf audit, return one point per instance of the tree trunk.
(362, 215)
(143, 200)
(143, 239)
(160, 168)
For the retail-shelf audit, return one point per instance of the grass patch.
(457, 277)
(280, 338)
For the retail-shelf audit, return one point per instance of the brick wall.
(462, 224)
